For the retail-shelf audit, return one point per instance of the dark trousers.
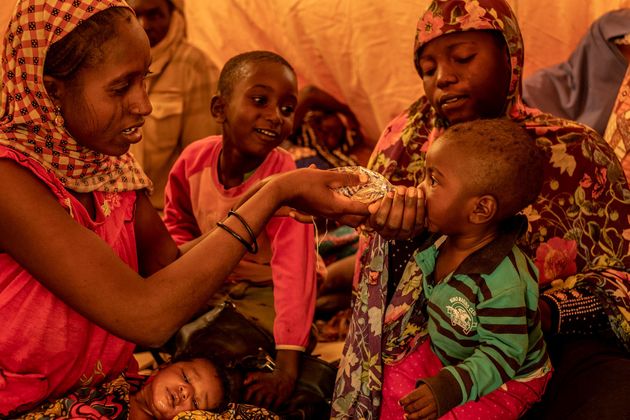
(591, 380)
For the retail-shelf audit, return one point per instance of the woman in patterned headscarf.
(76, 225)
(579, 228)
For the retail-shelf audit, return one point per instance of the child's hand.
(419, 404)
(268, 389)
(400, 214)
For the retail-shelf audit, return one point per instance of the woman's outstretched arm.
(83, 271)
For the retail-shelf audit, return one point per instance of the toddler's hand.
(419, 404)
(399, 214)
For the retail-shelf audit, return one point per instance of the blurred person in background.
(180, 87)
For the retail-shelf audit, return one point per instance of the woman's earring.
(59, 121)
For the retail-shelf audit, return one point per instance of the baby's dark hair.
(83, 46)
(232, 71)
(503, 161)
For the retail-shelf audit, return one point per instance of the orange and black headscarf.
(27, 113)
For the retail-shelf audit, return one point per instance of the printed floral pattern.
(111, 201)
(618, 130)
(233, 412)
(110, 401)
(555, 259)
(579, 223)
(430, 26)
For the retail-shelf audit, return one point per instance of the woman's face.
(105, 104)
(183, 386)
(466, 75)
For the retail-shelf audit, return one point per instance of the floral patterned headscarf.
(579, 228)
(445, 17)
(28, 114)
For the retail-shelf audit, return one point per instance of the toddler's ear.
(484, 210)
(217, 108)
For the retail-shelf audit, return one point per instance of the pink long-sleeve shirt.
(195, 201)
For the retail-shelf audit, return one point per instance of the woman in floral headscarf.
(579, 228)
(87, 269)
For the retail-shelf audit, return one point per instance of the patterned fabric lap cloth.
(578, 233)
(233, 412)
(111, 401)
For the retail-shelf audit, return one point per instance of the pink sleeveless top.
(46, 348)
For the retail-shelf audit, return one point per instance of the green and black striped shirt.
(484, 322)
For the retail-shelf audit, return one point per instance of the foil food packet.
(374, 189)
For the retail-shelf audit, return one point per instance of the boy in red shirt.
(255, 103)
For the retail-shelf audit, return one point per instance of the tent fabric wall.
(361, 50)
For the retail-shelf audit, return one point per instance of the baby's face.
(184, 386)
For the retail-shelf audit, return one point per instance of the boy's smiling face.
(258, 114)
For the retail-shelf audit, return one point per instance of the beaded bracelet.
(249, 230)
(246, 244)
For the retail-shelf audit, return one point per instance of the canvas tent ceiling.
(360, 50)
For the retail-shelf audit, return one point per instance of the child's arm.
(503, 344)
(295, 285)
(294, 281)
(293, 264)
